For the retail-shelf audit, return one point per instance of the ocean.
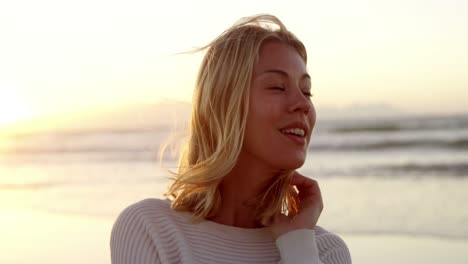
(405, 175)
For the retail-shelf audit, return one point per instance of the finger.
(301, 180)
(304, 185)
(280, 218)
(309, 191)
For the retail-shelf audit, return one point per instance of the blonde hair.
(218, 122)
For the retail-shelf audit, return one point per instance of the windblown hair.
(218, 122)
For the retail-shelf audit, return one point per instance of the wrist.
(278, 231)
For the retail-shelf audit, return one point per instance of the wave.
(64, 150)
(456, 144)
(46, 158)
(399, 125)
(28, 186)
(460, 143)
(412, 169)
(85, 132)
(382, 128)
(413, 234)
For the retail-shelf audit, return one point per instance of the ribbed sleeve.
(151, 232)
(130, 241)
(298, 247)
(333, 249)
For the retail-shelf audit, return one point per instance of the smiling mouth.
(293, 131)
(297, 136)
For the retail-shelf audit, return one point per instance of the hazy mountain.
(166, 114)
(137, 116)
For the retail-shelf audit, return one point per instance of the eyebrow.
(285, 74)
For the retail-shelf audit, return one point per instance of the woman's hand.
(311, 206)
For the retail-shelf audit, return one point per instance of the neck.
(245, 182)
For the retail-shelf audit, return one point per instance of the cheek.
(312, 116)
(264, 111)
(260, 123)
(260, 128)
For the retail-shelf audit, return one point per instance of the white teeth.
(296, 131)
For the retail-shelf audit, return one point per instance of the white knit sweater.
(151, 232)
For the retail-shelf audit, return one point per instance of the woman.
(236, 197)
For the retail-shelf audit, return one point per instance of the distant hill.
(137, 116)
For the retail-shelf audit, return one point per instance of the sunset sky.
(60, 57)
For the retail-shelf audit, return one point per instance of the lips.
(297, 128)
(296, 132)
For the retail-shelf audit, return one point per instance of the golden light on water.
(13, 110)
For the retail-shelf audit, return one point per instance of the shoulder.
(139, 213)
(143, 213)
(132, 235)
(150, 231)
(332, 248)
(145, 218)
(150, 206)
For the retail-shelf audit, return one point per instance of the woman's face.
(281, 115)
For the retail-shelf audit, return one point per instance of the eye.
(279, 88)
(306, 92)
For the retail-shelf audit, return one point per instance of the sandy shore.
(386, 249)
(29, 236)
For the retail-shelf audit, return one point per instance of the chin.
(291, 164)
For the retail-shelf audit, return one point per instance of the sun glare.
(13, 108)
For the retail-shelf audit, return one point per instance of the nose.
(298, 101)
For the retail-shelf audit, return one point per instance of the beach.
(385, 249)
(31, 236)
(98, 100)
(395, 191)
